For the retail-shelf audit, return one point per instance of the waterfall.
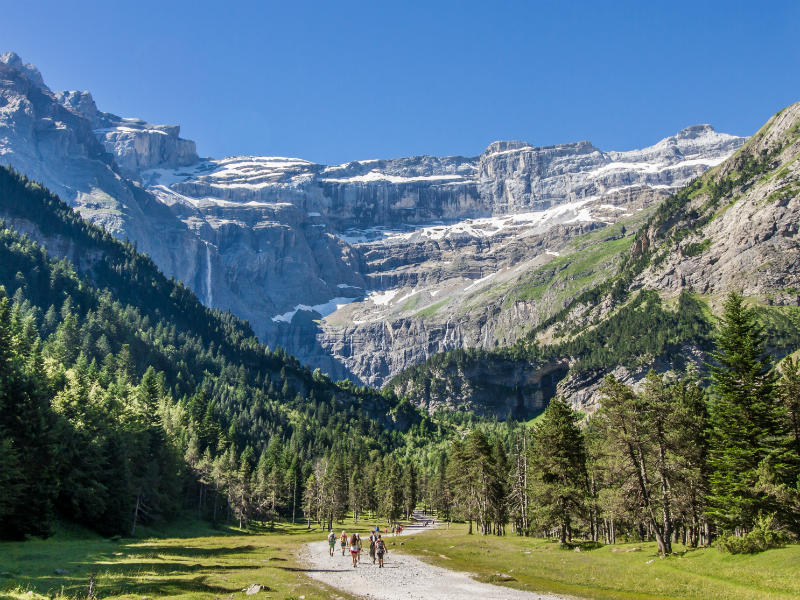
(209, 293)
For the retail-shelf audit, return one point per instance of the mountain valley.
(362, 269)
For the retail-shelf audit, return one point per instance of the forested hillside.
(123, 400)
(122, 396)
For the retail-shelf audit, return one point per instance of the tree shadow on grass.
(126, 578)
(153, 551)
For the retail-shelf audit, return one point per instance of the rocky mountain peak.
(13, 60)
(81, 103)
(695, 131)
(506, 145)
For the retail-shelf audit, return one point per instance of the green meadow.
(621, 571)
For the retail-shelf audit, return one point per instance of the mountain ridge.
(285, 243)
(732, 229)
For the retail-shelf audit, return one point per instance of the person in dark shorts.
(380, 550)
(372, 539)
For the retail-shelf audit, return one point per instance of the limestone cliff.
(363, 268)
(733, 229)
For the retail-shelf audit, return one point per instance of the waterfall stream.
(209, 293)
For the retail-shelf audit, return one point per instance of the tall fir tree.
(559, 464)
(747, 426)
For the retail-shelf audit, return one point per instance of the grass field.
(613, 571)
(188, 560)
(192, 560)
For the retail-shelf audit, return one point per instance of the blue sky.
(333, 82)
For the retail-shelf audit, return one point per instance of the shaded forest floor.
(618, 571)
(188, 559)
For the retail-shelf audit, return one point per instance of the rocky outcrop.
(502, 387)
(734, 229)
(137, 145)
(134, 144)
(746, 240)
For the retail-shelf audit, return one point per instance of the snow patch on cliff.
(323, 309)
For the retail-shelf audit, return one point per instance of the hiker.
(372, 539)
(358, 538)
(380, 550)
(332, 542)
(343, 542)
(354, 549)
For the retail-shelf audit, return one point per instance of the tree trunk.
(637, 458)
(135, 515)
(665, 493)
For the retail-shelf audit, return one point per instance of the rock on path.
(404, 577)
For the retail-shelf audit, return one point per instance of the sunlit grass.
(189, 559)
(617, 571)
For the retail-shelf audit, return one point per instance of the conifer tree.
(559, 464)
(26, 434)
(747, 427)
(789, 390)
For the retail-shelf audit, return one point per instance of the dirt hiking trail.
(403, 577)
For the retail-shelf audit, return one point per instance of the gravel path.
(403, 577)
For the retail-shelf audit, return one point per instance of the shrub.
(763, 537)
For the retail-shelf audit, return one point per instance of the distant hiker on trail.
(332, 542)
(343, 542)
(360, 547)
(354, 549)
(380, 550)
(372, 539)
(394, 529)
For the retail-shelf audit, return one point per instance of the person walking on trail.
(332, 542)
(343, 542)
(354, 549)
(372, 539)
(380, 550)
(360, 547)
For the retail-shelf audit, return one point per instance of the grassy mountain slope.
(734, 228)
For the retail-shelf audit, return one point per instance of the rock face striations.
(651, 304)
(362, 269)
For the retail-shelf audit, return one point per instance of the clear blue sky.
(337, 81)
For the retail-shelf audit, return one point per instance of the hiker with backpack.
(332, 542)
(380, 550)
(372, 539)
(354, 549)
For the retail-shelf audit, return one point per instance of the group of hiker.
(377, 547)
